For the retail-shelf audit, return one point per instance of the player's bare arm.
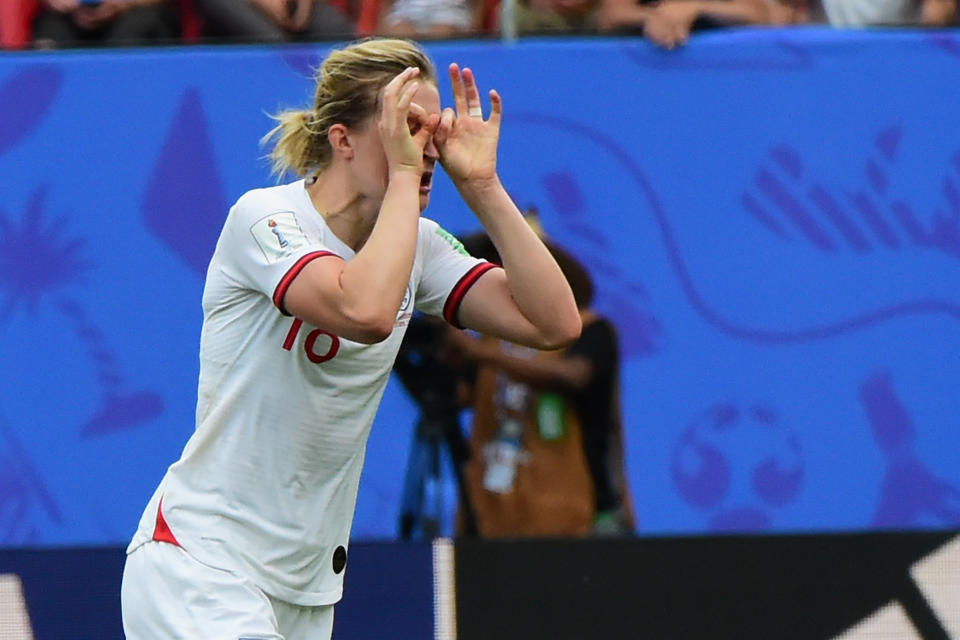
(529, 301)
(543, 370)
(358, 299)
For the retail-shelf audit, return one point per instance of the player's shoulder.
(438, 238)
(256, 203)
(427, 226)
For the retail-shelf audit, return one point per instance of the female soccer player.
(307, 297)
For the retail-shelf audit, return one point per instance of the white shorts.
(169, 594)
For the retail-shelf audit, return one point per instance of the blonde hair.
(349, 82)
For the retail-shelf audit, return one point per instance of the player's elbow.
(569, 333)
(371, 326)
(563, 334)
(370, 336)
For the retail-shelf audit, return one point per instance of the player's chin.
(424, 199)
(426, 186)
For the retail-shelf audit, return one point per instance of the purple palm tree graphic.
(38, 260)
(910, 494)
(35, 257)
(24, 496)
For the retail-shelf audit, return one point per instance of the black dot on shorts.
(339, 559)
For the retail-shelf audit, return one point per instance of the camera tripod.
(422, 502)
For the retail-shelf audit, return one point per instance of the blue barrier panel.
(74, 593)
(772, 217)
(71, 594)
(387, 592)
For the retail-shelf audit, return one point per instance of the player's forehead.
(428, 97)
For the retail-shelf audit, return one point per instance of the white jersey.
(267, 483)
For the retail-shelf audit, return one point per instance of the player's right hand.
(405, 127)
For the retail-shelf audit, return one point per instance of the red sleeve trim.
(452, 305)
(281, 291)
(162, 532)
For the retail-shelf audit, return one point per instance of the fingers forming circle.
(406, 98)
(456, 86)
(398, 84)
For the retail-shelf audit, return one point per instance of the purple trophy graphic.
(910, 494)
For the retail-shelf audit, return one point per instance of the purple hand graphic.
(790, 203)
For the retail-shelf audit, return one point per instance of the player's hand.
(405, 127)
(467, 143)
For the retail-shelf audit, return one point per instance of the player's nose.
(430, 151)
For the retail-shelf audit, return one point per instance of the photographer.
(547, 432)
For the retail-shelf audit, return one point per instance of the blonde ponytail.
(348, 89)
(297, 148)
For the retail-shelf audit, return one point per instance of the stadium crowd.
(54, 24)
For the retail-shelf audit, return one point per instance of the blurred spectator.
(532, 17)
(547, 434)
(429, 18)
(670, 22)
(274, 21)
(870, 13)
(77, 23)
(540, 16)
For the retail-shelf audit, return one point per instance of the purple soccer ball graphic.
(737, 464)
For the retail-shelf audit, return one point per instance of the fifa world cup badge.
(278, 235)
(273, 227)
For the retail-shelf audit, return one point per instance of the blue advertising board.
(772, 219)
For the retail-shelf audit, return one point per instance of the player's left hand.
(467, 143)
